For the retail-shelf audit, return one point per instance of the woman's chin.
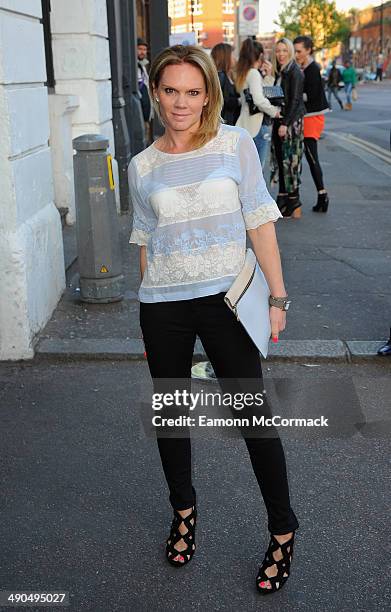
(181, 124)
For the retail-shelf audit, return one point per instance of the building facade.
(55, 84)
(370, 36)
(213, 21)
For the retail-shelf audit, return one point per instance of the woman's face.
(182, 95)
(258, 63)
(282, 53)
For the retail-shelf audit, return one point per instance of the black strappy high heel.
(283, 565)
(176, 535)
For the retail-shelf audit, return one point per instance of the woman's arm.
(255, 85)
(264, 242)
(143, 260)
(295, 94)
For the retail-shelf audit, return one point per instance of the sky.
(269, 10)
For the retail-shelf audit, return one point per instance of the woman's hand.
(267, 68)
(282, 130)
(277, 321)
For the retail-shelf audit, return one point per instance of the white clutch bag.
(248, 298)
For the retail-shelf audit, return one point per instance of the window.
(228, 32)
(176, 8)
(195, 7)
(229, 7)
(179, 29)
(171, 4)
(198, 27)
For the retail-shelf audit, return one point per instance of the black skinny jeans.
(169, 331)
(277, 140)
(311, 153)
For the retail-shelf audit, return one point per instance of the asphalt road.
(370, 118)
(84, 504)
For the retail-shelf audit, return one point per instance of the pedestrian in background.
(314, 120)
(143, 79)
(224, 59)
(349, 77)
(191, 224)
(248, 76)
(379, 67)
(333, 81)
(287, 133)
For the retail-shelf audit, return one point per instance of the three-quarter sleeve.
(258, 206)
(144, 218)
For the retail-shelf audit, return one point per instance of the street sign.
(248, 17)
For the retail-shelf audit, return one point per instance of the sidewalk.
(336, 269)
(86, 509)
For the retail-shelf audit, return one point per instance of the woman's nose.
(180, 100)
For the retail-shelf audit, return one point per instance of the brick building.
(371, 34)
(268, 41)
(212, 20)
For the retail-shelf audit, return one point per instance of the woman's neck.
(174, 141)
(308, 61)
(284, 66)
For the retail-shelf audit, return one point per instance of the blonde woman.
(250, 66)
(287, 133)
(196, 190)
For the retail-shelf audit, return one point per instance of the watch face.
(287, 305)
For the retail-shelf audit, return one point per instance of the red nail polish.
(275, 339)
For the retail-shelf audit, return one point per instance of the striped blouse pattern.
(191, 211)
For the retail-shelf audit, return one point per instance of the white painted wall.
(31, 251)
(82, 65)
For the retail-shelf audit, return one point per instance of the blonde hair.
(291, 54)
(211, 113)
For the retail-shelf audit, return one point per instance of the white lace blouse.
(192, 210)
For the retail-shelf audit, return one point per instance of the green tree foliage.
(319, 19)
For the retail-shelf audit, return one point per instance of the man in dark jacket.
(333, 81)
(142, 78)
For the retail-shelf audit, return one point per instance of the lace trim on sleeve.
(261, 215)
(139, 237)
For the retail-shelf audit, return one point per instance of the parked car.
(368, 75)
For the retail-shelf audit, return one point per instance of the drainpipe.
(134, 115)
(159, 33)
(121, 132)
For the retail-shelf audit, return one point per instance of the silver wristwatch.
(279, 302)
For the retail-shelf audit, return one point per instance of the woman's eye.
(195, 92)
(168, 89)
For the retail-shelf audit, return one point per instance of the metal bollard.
(97, 228)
